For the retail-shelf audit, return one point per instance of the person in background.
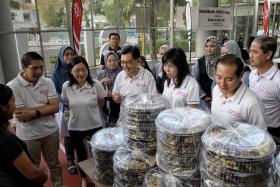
(133, 79)
(232, 99)
(84, 97)
(265, 81)
(59, 76)
(180, 87)
(142, 62)
(204, 71)
(107, 77)
(231, 47)
(36, 103)
(157, 70)
(224, 40)
(114, 41)
(17, 167)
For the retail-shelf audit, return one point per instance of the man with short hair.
(36, 103)
(232, 99)
(114, 40)
(265, 81)
(133, 79)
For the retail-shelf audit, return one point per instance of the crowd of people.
(220, 82)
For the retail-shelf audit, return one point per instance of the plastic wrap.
(236, 154)
(179, 132)
(139, 113)
(130, 167)
(277, 169)
(104, 144)
(183, 121)
(158, 178)
(239, 140)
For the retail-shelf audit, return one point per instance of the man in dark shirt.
(114, 40)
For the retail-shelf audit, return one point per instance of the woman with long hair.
(16, 165)
(180, 87)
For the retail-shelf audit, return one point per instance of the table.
(86, 166)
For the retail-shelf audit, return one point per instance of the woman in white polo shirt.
(84, 96)
(180, 87)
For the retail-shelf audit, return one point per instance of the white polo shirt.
(29, 96)
(83, 104)
(243, 106)
(187, 93)
(143, 82)
(267, 88)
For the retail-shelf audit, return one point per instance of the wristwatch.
(38, 114)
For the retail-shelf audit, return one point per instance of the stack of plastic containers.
(130, 167)
(104, 144)
(132, 161)
(179, 132)
(139, 113)
(237, 154)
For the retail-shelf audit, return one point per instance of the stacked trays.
(140, 112)
(104, 144)
(277, 169)
(179, 132)
(236, 154)
(130, 167)
(158, 178)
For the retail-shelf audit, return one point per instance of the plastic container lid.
(156, 177)
(108, 139)
(240, 140)
(133, 160)
(183, 121)
(146, 102)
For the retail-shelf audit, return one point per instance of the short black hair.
(231, 59)
(267, 44)
(114, 34)
(77, 60)
(28, 57)
(133, 50)
(6, 94)
(177, 57)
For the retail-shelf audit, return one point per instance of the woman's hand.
(107, 81)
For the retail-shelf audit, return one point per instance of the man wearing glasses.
(36, 102)
(133, 79)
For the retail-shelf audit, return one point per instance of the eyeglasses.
(35, 68)
(126, 62)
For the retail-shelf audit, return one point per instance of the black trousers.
(69, 148)
(275, 133)
(78, 138)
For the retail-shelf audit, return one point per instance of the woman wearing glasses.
(84, 97)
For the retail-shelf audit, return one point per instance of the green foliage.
(52, 13)
(14, 4)
(53, 59)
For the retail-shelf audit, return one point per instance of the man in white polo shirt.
(265, 81)
(133, 79)
(36, 102)
(232, 99)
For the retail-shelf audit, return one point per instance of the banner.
(265, 18)
(77, 16)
